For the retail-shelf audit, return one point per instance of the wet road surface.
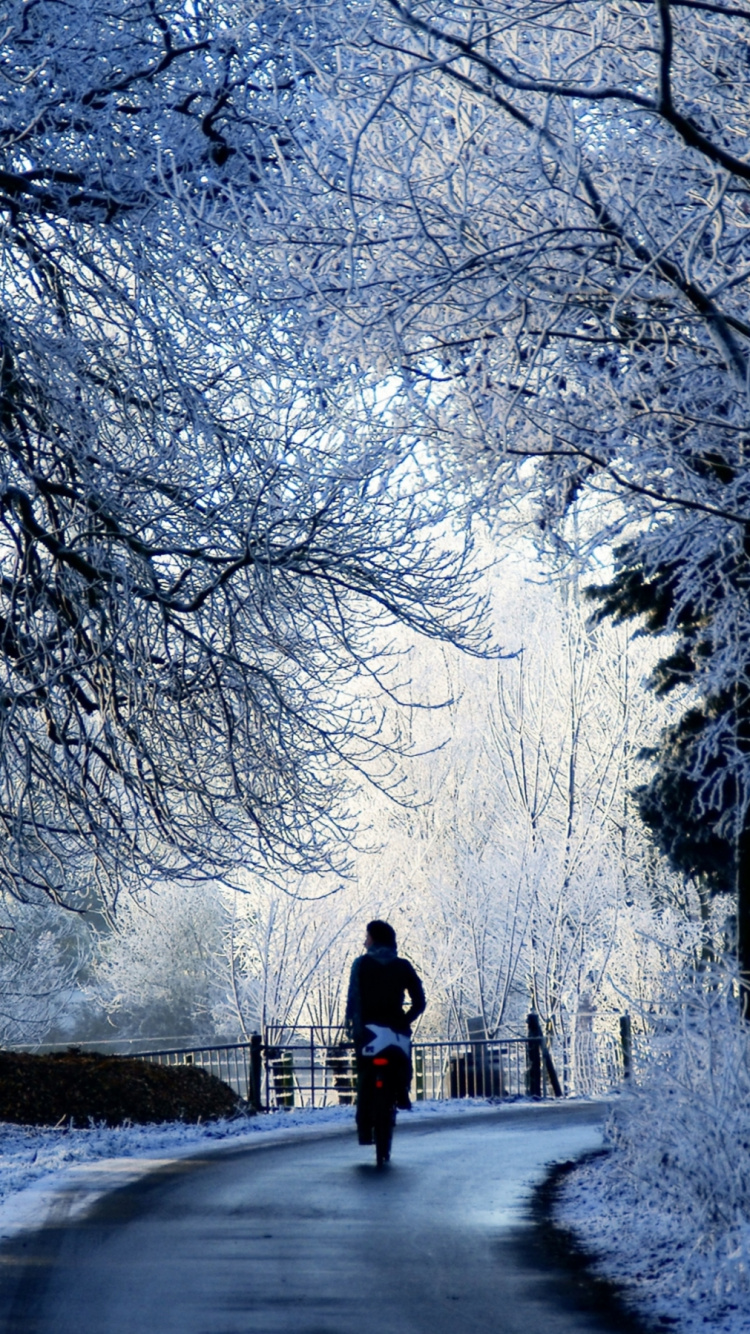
(309, 1239)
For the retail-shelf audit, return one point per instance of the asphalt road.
(309, 1239)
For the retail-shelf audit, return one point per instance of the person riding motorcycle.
(375, 1017)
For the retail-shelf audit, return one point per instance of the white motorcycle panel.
(385, 1037)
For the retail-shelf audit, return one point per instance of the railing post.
(256, 1073)
(418, 1074)
(534, 1056)
(626, 1039)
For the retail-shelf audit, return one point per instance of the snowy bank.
(666, 1212)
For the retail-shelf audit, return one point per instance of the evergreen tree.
(694, 804)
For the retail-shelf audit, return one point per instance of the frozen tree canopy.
(536, 215)
(270, 273)
(544, 207)
(198, 542)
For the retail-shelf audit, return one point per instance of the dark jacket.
(377, 985)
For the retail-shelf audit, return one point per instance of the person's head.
(380, 933)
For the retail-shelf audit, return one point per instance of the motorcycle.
(385, 1070)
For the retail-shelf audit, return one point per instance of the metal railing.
(237, 1064)
(315, 1066)
(308, 1066)
(479, 1069)
(592, 1063)
(304, 1071)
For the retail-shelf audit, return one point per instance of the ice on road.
(307, 1238)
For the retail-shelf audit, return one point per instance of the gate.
(314, 1066)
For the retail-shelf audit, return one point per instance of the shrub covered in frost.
(668, 1208)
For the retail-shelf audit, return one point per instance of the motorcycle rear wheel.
(383, 1130)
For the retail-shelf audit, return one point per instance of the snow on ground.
(667, 1210)
(646, 1249)
(40, 1167)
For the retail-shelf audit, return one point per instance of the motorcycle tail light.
(380, 1060)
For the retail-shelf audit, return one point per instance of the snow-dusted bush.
(668, 1209)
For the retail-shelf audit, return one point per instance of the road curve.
(308, 1238)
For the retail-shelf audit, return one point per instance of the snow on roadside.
(637, 1248)
(666, 1212)
(646, 1250)
(40, 1164)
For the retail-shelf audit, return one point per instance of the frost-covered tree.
(536, 214)
(42, 955)
(160, 969)
(193, 964)
(291, 951)
(693, 801)
(538, 861)
(678, 1163)
(517, 874)
(199, 542)
(585, 304)
(522, 876)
